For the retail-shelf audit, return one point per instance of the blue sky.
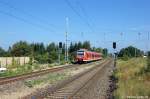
(99, 21)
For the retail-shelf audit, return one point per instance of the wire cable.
(25, 21)
(85, 14)
(78, 14)
(26, 13)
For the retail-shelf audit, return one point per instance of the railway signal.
(59, 51)
(115, 53)
(60, 44)
(114, 45)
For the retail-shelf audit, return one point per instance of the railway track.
(32, 74)
(71, 90)
(70, 87)
(7, 80)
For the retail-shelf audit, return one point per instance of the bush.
(148, 62)
(28, 84)
(125, 57)
(132, 80)
(31, 61)
(41, 58)
(35, 66)
(29, 67)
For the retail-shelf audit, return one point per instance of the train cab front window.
(80, 53)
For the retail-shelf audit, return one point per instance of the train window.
(80, 53)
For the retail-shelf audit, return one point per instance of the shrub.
(125, 57)
(148, 62)
(31, 61)
(28, 83)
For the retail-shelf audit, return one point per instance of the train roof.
(82, 50)
(89, 51)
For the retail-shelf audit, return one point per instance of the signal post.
(115, 54)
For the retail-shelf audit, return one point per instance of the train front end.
(80, 56)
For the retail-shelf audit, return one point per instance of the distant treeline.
(45, 53)
(130, 52)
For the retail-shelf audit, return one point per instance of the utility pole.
(66, 44)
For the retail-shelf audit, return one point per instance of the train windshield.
(80, 53)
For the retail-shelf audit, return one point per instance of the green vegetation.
(130, 52)
(105, 52)
(20, 49)
(131, 81)
(42, 54)
(148, 62)
(27, 68)
(50, 78)
(2, 52)
(17, 71)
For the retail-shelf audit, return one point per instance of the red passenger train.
(84, 55)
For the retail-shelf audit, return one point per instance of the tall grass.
(130, 80)
(50, 78)
(16, 69)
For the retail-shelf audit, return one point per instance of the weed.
(132, 80)
(28, 83)
(49, 78)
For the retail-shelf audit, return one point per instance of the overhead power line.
(25, 21)
(78, 14)
(85, 14)
(28, 14)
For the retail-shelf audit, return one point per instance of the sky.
(101, 22)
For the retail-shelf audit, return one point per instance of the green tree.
(75, 46)
(41, 48)
(71, 48)
(52, 50)
(100, 50)
(130, 52)
(8, 53)
(79, 45)
(2, 52)
(42, 58)
(21, 48)
(38, 48)
(87, 45)
(105, 52)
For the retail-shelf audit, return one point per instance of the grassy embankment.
(133, 81)
(16, 69)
